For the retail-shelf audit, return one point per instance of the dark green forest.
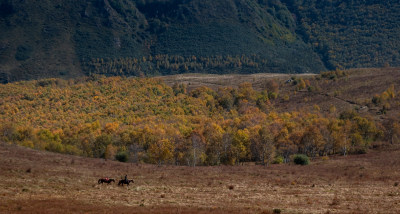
(65, 38)
(350, 34)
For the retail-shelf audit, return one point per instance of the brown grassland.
(43, 182)
(354, 90)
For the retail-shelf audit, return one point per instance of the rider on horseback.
(125, 181)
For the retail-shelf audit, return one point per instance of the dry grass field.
(354, 91)
(41, 182)
(215, 81)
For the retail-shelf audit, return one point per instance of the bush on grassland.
(300, 159)
(122, 156)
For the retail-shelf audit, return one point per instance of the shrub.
(325, 158)
(27, 143)
(54, 146)
(358, 150)
(278, 160)
(277, 211)
(72, 150)
(301, 159)
(122, 156)
(272, 95)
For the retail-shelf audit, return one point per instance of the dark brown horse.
(105, 180)
(123, 181)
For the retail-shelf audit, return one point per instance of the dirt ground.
(41, 182)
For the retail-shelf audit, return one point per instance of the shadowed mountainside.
(152, 37)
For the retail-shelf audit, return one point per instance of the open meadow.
(43, 182)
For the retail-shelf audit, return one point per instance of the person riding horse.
(125, 181)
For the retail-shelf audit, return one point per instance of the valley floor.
(41, 182)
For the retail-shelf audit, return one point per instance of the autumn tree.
(227, 156)
(263, 144)
(312, 141)
(246, 92)
(110, 152)
(161, 151)
(179, 88)
(272, 86)
(342, 138)
(225, 98)
(241, 145)
(213, 134)
(100, 145)
(197, 140)
(392, 131)
(50, 141)
(283, 143)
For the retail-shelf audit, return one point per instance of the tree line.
(174, 64)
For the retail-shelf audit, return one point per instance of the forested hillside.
(350, 34)
(118, 37)
(139, 119)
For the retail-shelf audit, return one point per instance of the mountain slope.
(49, 38)
(350, 34)
(73, 38)
(53, 38)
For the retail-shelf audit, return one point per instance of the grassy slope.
(354, 92)
(347, 93)
(43, 182)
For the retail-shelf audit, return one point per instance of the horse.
(108, 181)
(123, 181)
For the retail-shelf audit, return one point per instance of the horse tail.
(99, 181)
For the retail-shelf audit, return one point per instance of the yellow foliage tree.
(110, 152)
(241, 145)
(161, 151)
